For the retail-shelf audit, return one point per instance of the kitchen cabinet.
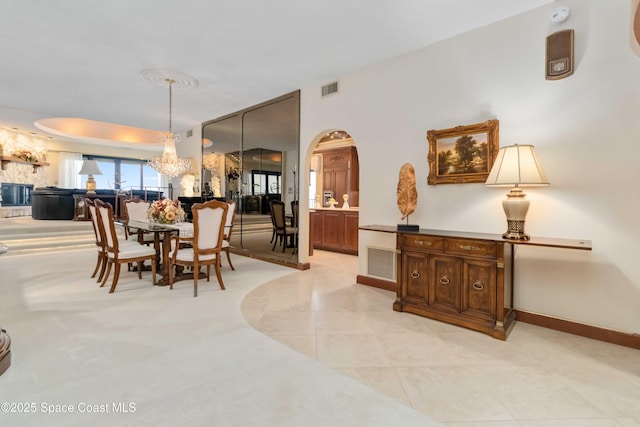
(340, 174)
(335, 230)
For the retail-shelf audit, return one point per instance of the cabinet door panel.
(479, 289)
(317, 227)
(341, 181)
(415, 278)
(351, 231)
(444, 286)
(332, 229)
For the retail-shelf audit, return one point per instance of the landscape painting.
(462, 154)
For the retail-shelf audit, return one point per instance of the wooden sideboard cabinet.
(458, 278)
(462, 278)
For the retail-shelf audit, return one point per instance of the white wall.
(583, 128)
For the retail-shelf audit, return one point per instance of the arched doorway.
(333, 193)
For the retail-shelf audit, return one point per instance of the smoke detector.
(560, 15)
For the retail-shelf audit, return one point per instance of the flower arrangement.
(165, 211)
(25, 155)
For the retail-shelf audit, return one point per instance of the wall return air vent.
(381, 263)
(329, 89)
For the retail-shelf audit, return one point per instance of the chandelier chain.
(171, 82)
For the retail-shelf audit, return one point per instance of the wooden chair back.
(105, 215)
(95, 221)
(136, 209)
(231, 218)
(209, 219)
(295, 212)
(277, 214)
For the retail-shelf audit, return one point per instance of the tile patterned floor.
(180, 360)
(538, 377)
(282, 347)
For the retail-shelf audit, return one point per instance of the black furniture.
(187, 202)
(52, 203)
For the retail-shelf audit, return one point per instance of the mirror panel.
(252, 159)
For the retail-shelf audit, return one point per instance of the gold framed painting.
(462, 154)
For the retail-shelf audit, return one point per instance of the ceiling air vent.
(330, 89)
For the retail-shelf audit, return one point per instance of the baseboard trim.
(588, 331)
(377, 283)
(575, 328)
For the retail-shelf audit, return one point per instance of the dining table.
(162, 244)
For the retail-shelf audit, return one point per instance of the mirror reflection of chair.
(206, 244)
(294, 211)
(273, 224)
(228, 228)
(281, 230)
(121, 252)
(101, 263)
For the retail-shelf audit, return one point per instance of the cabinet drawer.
(429, 243)
(477, 248)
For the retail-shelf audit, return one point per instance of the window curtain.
(69, 166)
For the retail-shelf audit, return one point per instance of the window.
(265, 182)
(312, 189)
(125, 174)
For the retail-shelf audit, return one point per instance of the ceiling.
(84, 59)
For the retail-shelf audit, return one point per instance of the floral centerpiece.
(165, 211)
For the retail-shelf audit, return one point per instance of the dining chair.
(136, 210)
(228, 228)
(119, 252)
(101, 263)
(295, 209)
(273, 224)
(209, 219)
(282, 231)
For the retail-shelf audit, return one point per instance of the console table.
(81, 210)
(466, 279)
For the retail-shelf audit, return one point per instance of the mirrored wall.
(251, 157)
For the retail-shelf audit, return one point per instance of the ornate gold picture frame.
(463, 153)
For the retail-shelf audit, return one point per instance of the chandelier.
(211, 162)
(169, 164)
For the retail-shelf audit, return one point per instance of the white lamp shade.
(516, 165)
(90, 167)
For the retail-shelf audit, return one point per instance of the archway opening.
(333, 193)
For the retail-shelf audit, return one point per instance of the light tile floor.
(179, 360)
(538, 377)
(348, 359)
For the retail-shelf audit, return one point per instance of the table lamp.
(516, 165)
(90, 167)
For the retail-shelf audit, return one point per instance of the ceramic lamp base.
(515, 208)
